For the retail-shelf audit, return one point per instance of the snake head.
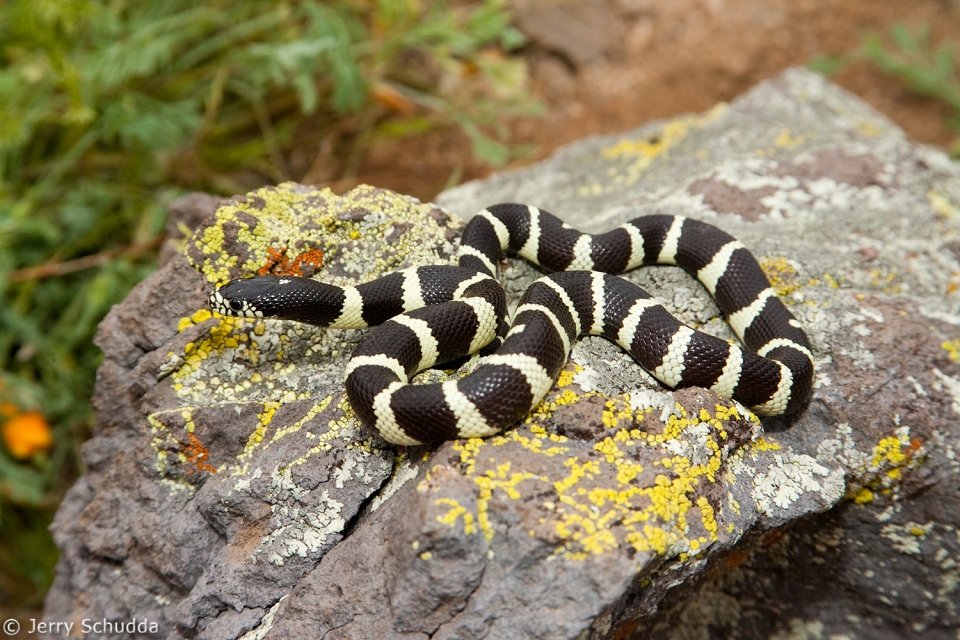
(281, 297)
(248, 297)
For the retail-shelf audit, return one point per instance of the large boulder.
(230, 492)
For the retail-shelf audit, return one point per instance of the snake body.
(433, 314)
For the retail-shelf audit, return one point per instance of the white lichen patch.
(906, 538)
(790, 476)
(243, 483)
(404, 473)
(605, 368)
(750, 174)
(693, 446)
(587, 378)
(266, 623)
(935, 311)
(950, 385)
(799, 629)
(843, 449)
(662, 401)
(298, 529)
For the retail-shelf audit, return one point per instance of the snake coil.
(434, 314)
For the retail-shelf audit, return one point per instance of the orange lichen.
(198, 454)
(27, 434)
(278, 264)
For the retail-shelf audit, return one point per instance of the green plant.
(928, 70)
(111, 109)
(910, 55)
(827, 65)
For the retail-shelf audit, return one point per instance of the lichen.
(952, 347)
(906, 538)
(941, 205)
(298, 531)
(636, 155)
(601, 498)
(790, 477)
(292, 230)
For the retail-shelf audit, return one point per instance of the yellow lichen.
(296, 426)
(456, 511)
(941, 205)
(640, 153)
(762, 444)
(889, 450)
(253, 441)
(598, 505)
(198, 317)
(788, 141)
(782, 276)
(952, 347)
(566, 376)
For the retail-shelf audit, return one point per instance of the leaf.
(21, 484)
(350, 87)
(484, 148)
(150, 47)
(827, 65)
(140, 119)
(928, 71)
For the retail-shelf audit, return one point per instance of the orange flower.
(27, 434)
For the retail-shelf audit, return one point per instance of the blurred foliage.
(111, 109)
(28, 560)
(827, 65)
(928, 70)
(910, 55)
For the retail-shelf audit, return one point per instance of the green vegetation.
(928, 70)
(910, 55)
(110, 110)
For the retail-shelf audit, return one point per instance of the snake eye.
(236, 304)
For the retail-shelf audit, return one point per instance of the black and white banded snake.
(434, 314)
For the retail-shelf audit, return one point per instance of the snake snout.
(242, 297)
(224, 305)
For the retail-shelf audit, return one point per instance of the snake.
(430, 315)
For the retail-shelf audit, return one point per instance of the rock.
(231, 494)
(577, 32)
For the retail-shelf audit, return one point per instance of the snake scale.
(433, 314)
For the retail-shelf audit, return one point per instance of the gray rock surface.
(231, 494)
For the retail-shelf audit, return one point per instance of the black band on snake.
(431, 315)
